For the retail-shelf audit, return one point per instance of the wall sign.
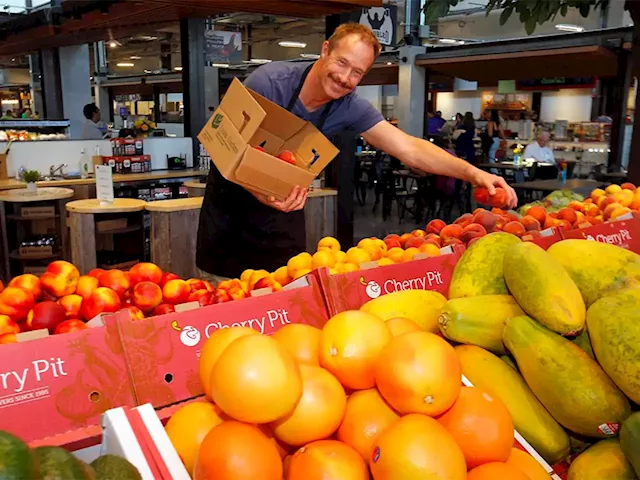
(382, 20)
(556, 83)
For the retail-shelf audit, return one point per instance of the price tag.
(104, 184)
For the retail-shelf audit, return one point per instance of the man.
(435, 122)
(538, 149)
(239, 229)
(91, 130)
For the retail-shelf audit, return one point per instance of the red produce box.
(349, 291)
(162, 352)
(623, 233)
(56, 384)
(547, 238)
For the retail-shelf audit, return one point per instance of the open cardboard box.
(246, 119)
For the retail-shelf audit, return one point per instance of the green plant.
(31, 176)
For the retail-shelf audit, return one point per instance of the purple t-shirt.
(278, 81)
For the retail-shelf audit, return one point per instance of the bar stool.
(110, 219)
(174, 231)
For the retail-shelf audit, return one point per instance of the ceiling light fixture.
(135, 57)
(177, 69)
(288, 44)
(310, 56)
(125, 64)
(448, 41)
(567, 27)
(113, 44)
(389, 63)
(260, 60)
(220, 65)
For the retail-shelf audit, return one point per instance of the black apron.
(237, 232)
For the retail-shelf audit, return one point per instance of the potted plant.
(30, 177)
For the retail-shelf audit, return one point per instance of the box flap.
(224, 144)
(243, 110)
(312, 147)
(268, 141)
(281, 122)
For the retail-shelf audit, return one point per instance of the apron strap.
(296, 94)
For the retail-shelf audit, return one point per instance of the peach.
(580, 218)
(116, 280)
(102, 300)
(487, 219)
(414, 242)
(396, 255)
(96, 272)
(595, 220)
(453, 242)
(451, 231)
(568, 214)
(435, 226)
(393, 242)
(429, 249)
(539, 213)
(87, 285)
(419, 233)
(196, 284)
(167, 276)
(330, 243)
(7, 338)
(146, 272)
(403, 239)
(135, 312)
(370, 245)
(604, 202)
(530, 235)
(592, 210)
(624, 198)
(530, 223)
(409, 253)
(72, 305)
(577, 206)
(28, 282)
(434, 241)
(464, 220)
(618, 212)
(473, 230)
(514, 228)
(564, 224)
(551, 222)
(268, 282)
(203, 297)
(588, 201)
(60, 279)
(147, 295)
(597, 193)
(609, 209)
(500, 223)
(16, 303)
(628, 186)
(478, 210)
(613, 188)
(163, 309)
(46, 315)
(177, 291)
(7, 325)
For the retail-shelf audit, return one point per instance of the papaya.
(613, 323)
(421, 306)
(509, 361)
(630, 441)
(479, 270)
(530, 418)
(569, 383)
(597, 268)
(584, 343)
(604, 460)
(544, 289)
(478, 320)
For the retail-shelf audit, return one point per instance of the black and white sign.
(382, 20)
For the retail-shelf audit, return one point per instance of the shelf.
(132, 228)
(16, 256)
(20, 218)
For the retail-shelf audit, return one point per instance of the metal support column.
(619, 93)
(51, 84)
(411, 92)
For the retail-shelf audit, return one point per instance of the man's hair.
(543, 131)
(89, 109)
(364, 32)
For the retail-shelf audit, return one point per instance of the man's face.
(543, 139)
(342, 69)
(96, 116)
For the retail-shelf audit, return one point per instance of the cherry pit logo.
(189, 336)
(373, 289)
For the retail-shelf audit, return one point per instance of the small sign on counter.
(104, 184)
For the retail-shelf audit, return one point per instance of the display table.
(82, 222)
(174, 231)
(25, 215)
(195, 189)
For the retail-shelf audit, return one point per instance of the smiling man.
(239, 229)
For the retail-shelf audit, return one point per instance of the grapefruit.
(496, 471)
(400, 325)
(527, 465)
(327, 460)
(302, 341)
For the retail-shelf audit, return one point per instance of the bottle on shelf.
(84, 164)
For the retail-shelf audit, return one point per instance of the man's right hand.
(295, 201)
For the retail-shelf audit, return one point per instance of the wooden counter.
(93, 205)
(174, 205)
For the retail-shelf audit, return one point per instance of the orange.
(367, 414)
(237, 451)
(350, 345)
(330, 243)
(283, 449)
(400, 325)
(327, 460)
(496, 471)
(256, 380)
(481, 425)
(385, 261)
(319, 411)
(409, 253)
(527, 465)
(396, 255)
(429, 249)
(281, 275)
(357, 256)
(416, 447)
(189, 425)
(419, 372)
(339, 256)
(347, 267)
(301, 261)
(302, 341)
(213, 348)
(323, 258)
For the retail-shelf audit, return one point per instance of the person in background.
(7, 116)
(91, 129)
(36, 116)
(494, 131)
(458, 121)
(27, 113)
(538, 149)
(503, 122)
(436, 122)
(464, 143)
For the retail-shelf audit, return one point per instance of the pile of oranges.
(360, 398)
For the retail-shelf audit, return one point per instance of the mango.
(597, 268)
(604, 460)
(630, 441)
(571, 385)
(530, 418)
(421, 306)
(479, 271)
(478, 320)
(613, 323)
(544, 289)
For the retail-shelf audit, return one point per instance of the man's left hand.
(490, 182)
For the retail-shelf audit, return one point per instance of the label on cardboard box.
(622, 233)
(548, 237)
(162, 352)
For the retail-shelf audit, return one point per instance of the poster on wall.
(223, 47)
(382, 20)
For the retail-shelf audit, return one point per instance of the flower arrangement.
(144, 127)
(518, 150)
(31, 176)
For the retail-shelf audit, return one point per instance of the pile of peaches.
(61, 300)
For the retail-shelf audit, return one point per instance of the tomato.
(70, 326)
(288, 157)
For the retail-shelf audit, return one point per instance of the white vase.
(32, 187)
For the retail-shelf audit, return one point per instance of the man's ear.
(324, 52)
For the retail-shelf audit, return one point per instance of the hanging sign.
(223, 47)
(382, 20)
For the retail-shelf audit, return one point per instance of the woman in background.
(465, 147)
(494, 130)
(458, 121)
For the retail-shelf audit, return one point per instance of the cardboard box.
(127, 147)
(35, 251)
(349, 291)
(244, 120)
(548, 237)
(38, 212)
(62, 383)
(162, 352)
(623, 233)
(129, 164)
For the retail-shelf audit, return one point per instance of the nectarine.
(16, 303)
(628, 186)
(60, 279)
(167, 276)
(203, 297)
(72, 305)
(87, 285)
(102, 300)
(7, 325)
(135, 312)
(145, 272)
(148, 295)
(116, 280)
(176, 292)
(28, 282)
(46, 315)
(429, 249)
(7, 338)
(163, 309)
(96, 272)
(613, 188)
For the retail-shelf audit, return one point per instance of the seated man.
(538, 150)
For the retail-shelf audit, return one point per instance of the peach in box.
(539, 213)
(514, 228)
(60, 279)
(568, 214)
(204, 297)
(435, 226)
(68, 326)
(86, 286)
(135, 312)
(16, 303)
(464, 220)
(451, 231)
(486, 219)
(147, 296)
(414, 242)
(101, 301)
(46, 315)
(471, 231)
(145, 272)
(164, 308)
(6, 338)
(7, 325)
(392, 241)
(196, 284)
(176, 292)
(530, 223)
(72, 305)
(28, 282)
(168, 276)
(116, 280)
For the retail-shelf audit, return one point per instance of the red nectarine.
(28, 282)
(145, 272)
(101, 300)
(147, 296)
